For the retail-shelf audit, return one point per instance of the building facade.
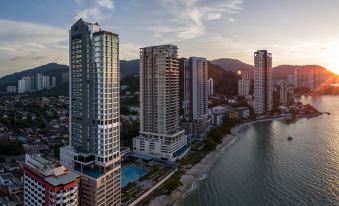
(94, 149)
(11, 89)
(195, 95)
(210, 87)
(263, 100)
(49, 183)
(244, 84)
(160, 135)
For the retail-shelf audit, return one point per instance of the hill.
(129, 67)
(232, 65)
(51, 69)
(225, 82)
(281, 72)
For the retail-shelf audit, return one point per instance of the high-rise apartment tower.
(94, 148)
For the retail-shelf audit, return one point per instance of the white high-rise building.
(160, 135)
(195, 91)
(25, 84)
(38, 82)
(244, 84)
(283, 92)
(210, 87)
(53, 82)
(11, 89)
(45, 82)
(94, 149)
(263, 100)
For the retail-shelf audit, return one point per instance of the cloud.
(90, 14)
(94, 10)
(29, 57)
(109, 4)
(231, 20)
(188, 18)
(129, 51)
(27, 44)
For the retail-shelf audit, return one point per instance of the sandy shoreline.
(200, 171)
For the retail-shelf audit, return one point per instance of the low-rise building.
(49, 183)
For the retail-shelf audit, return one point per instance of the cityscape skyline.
(213, 29)
(176, 127)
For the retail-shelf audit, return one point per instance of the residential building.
(11, 89)
(94, 148)
(283, 93)
(11, 188)
(45, 82)
(160, 135)
(38, 83)
(195, 92)
(244, 84)
(210, 87)
(53, 82)
(263, 100)
(49, 183)
(25, 84)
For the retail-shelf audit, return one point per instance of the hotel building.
(94, 149)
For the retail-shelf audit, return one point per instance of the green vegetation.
(128, 130)
(131, 191)
(10, 148)
(172, 183)
(226, 82)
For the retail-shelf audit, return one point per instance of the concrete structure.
(25, 84)
(45, 82)
(263, 100)
(11, 189)
(11, 89)
(49, 183)
(210, 87)
(38, 81)
(160, 135)
(94, 149)
(53, 82)
(244, 84)
(283, 92)
(195, 92)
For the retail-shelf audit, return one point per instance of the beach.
(200, 171)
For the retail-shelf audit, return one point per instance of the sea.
(262, 167)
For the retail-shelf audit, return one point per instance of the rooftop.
(52, 172)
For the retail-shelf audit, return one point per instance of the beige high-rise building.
(160, 136)
(94, 149)
(263, 97)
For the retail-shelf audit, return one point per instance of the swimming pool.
(131, 173)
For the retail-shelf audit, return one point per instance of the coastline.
(200, 171)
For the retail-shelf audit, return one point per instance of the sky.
(298, 32)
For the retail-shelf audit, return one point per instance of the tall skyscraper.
(263, 102)
(244, 84)
(210, 87)
(94, 149)
(284, 89)
(49, 183)
(160, 135)
(195, 92)
(38, 81)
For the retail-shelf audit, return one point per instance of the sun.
(332, 59)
